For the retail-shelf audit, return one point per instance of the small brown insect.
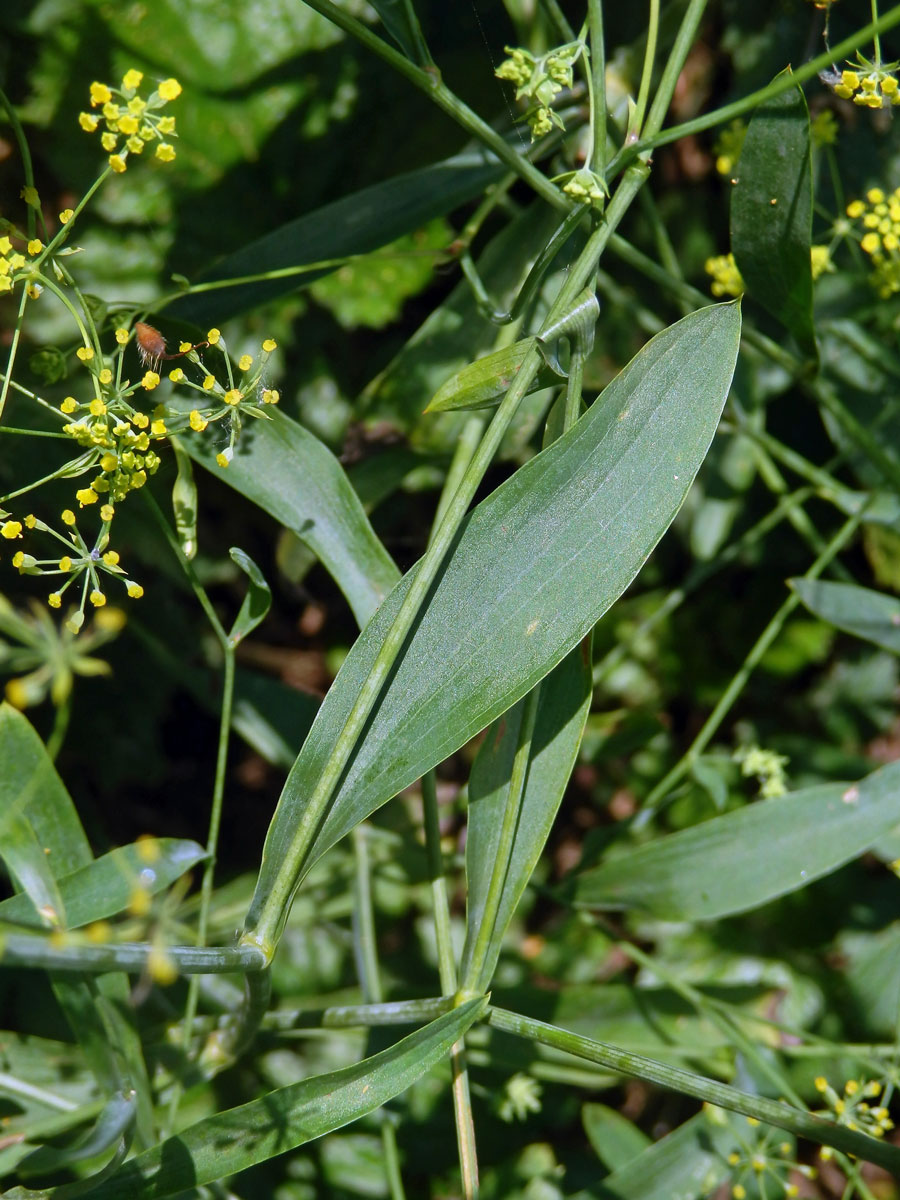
(151, 345)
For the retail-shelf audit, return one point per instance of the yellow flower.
(169, 89)
(158, 428)
(107, 512)
(213, 336)
(128, 124)
(165, 152)
(35, 246)
(65, 564)
(245, 362)
(68, 405)
(97, 599)
(223, 459)
(122, 336)
(198, 422)
(85, 353)
(727, 279)
(270, 396)
(269, 345)
(100, 94)
(134, 590)
(141, 420)
(86, 496)
(105, 376)
(176, 375)
(97, 408)
(160, 967)
(68, 517)
(108, 141)
(166, 125)
(88, 121)
(209, 382)
(54, 599)
(132, 79)
(233, 396)
(150, 381)
(118, 163)
(66, 216)
(11, 529)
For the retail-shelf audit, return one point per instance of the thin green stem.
(658, 137)
(559, 19)
(710, 726)
(599, 114)
(13, 347)
(477, 980)
(60, 728)
(799, 1122)
(27, 168)
(429, 81)
(876, 39)
(637, 120)
(35, 950)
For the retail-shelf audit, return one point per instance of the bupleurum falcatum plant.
(611, 828)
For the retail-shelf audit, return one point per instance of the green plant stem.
(875, 38)
(637, 119)
(33, 950)
(429, 81)
(799, 1122)
(659, 137)
(273, 911)
(559, 19)
(739, 681)
(60, 727)
(599, 116)
(723, 1020)
(13, 347)
(359, 1016)
(475, 982)
(466, 1145)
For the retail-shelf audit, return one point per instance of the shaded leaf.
(296, 479)
(771, 213)
(872, 615)
(747, 857)
(256, 602)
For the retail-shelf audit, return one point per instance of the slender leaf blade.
(534, 567)
(559, 724)
(868, 614)
(105, 886)
(745, 858)
(238, 1138)
(771, 213)
(295, 478)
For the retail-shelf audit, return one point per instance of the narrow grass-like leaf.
(296, 479)
(354, 224)
(105, 886)
(534, 567)
(872, 615)
(27, 864)
(29, 782)
(256, 602)
(745, 858)
(562, 711)
(614, 1139)
(113, 1123)
(281, 1120)
(771, 213)
(400, 21)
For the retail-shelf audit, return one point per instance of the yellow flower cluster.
(853, 1108)
(879, 215)
(873, 85)
(727, 279)
(15, 266)
(540, 80)
(126, 114)
(126, 459)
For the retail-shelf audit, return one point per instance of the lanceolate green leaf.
(29, 783)
(297, 480)
(771, 213)
(534, 567)
(866, 613)
(745, 858)
(562, 711)
(238, 1138)
(105, 886)
(354, 224)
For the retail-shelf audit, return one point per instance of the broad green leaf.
(296, 479)
(354, 224)
(614, 1139)
(534, 567)
(748, 857)
(105, 886)
(256, 602)
(771, 213)
(872, 615)
(400, 21)
(29, 783)
(286, 1118)
(689, 1163)
(562, 710)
